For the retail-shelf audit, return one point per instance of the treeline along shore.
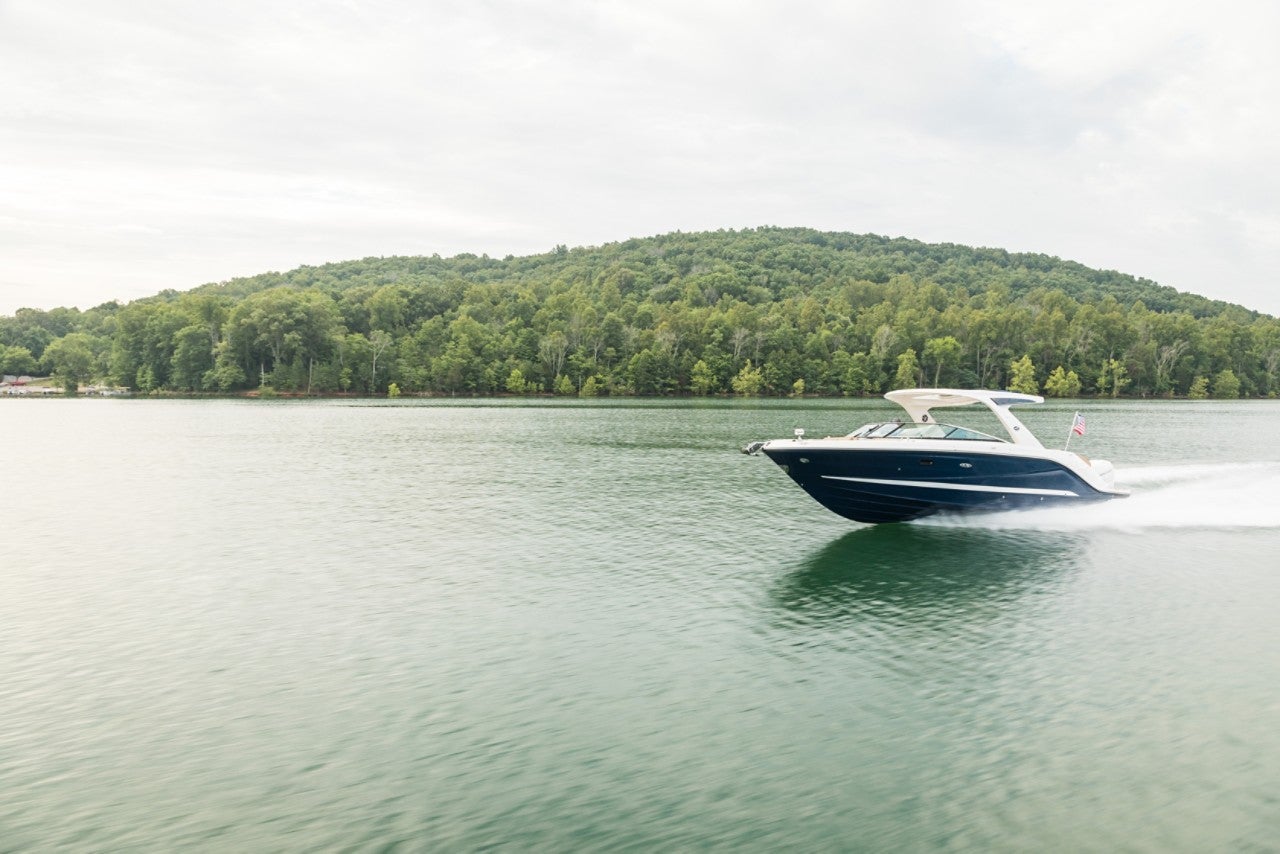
(769, 311)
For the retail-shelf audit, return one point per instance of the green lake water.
(544, 625)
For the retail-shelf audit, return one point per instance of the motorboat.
(902, 469)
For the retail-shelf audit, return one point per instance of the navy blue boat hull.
(897, 486)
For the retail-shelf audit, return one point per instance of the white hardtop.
(919, 401)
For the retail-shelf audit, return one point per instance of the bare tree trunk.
(740, 336)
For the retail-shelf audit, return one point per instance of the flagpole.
(1071, 430)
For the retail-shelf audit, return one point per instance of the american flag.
(1077, 426)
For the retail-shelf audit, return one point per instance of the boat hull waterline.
(898, 486)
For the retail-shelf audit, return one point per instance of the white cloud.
(164, 145)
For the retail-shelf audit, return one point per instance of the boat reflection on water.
(912, 574)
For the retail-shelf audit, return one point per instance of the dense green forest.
(761, 311)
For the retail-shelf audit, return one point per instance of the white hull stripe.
(963, 487)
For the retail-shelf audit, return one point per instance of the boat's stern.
(1106, 474)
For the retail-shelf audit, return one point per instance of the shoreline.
(43, 392)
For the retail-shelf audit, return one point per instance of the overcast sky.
(165, 144)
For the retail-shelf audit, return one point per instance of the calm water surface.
(597, 626)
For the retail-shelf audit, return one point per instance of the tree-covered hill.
(767, 310)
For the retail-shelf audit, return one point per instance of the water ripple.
(432, 626)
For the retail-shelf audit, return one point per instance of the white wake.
(1235, 495)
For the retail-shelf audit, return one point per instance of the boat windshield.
(901, 430)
